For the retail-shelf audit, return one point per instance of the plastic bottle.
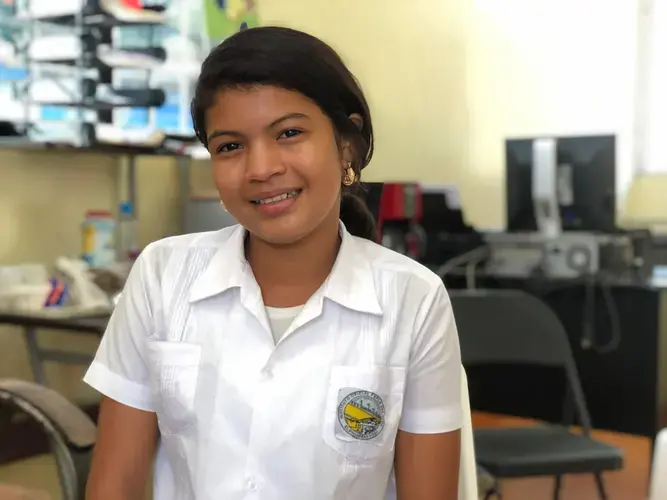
(128, 232)
(98, 242)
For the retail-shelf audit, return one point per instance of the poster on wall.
(226, 17)
(123, 76)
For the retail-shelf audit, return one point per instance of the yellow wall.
(448, 81)
(43, 198)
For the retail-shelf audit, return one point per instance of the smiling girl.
(289, 357)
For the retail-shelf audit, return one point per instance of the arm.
(127, 427)
(428, 443)
(126, 443)
(427, 465)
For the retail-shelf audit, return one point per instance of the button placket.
(259, 425)
(251, 484)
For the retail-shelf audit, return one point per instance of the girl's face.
(276, 162)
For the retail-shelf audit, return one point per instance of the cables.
(614, 319)
(471, 269)
(588, 340)
(470, 259)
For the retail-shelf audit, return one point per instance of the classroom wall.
(448, 81)
(43, 198)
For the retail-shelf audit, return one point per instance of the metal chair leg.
(558, 483)
(599, 483)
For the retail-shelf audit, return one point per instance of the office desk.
(625, 388)
(94, 325)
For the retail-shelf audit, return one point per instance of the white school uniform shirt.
(311, 417)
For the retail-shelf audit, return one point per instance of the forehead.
(258, 105)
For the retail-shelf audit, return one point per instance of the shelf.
(92, 19)
(171, 147)
(106, 57)
(93, 105)
(82, 80)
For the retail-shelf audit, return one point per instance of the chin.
(279, 232)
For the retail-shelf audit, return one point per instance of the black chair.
(70, 431)
(500, 327)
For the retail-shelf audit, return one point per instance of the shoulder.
(177, 260)
(185, 246)
(194, 241)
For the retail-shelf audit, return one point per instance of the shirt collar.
(351, 282)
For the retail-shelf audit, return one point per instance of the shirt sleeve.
(432, 401)
(120, 368)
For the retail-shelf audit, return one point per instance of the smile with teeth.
(276, 199)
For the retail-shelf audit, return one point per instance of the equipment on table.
(85, 294)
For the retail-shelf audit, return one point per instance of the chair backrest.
(658, 488)
(71, 432)
(468, 465)
(513, 327)
(508, 326)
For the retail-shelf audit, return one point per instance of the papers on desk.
(29, 289)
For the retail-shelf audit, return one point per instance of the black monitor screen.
(591, 161)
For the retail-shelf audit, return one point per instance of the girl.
(289, 357)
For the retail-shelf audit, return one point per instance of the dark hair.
(297, 61)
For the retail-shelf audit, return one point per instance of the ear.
(357, 120)
(346, 158)
(347, 155)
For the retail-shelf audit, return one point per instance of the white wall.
(546, 67)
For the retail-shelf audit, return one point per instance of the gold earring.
(350, 176)
(222, 204)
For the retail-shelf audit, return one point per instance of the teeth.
(278, 198)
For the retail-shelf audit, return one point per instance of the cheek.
(321, 166)
(226, 180)
(323, 179)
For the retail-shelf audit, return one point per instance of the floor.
(629, 484)
(37, 473)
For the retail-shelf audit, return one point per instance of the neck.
(289, 274)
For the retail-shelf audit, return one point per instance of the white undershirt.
(280, 319)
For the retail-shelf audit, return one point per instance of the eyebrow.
(288, 116)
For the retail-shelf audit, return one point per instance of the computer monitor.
(585, 178)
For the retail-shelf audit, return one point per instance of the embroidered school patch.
(360, 413)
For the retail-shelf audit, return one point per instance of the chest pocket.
(363, 410)
(175, 374)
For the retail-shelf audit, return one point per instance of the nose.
(263, 162)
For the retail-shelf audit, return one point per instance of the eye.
(289, 133)
(229, 147)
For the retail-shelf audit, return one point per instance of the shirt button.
(267, 374)
(252, 485)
